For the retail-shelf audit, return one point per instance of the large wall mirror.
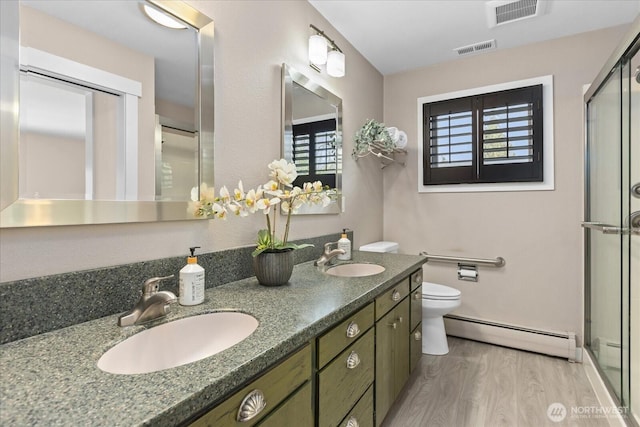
(115, 120)
(312, 135)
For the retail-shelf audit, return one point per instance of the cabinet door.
(344, 380)
(415, 346)
(392, 357)
(297, 409)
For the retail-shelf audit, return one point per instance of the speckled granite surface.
(86, 295)
(52, 379)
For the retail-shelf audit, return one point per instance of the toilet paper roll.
(468, 274)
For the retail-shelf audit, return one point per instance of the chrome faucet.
(328, 254)
(153, 304)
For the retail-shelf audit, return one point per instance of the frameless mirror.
(115, 113)
(312, 135)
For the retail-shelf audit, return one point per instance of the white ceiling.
(398, 35)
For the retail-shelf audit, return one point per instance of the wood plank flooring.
(482, 385)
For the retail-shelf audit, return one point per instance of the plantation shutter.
(495, 137)
(315, 152)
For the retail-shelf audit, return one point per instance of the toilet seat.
(435, 291)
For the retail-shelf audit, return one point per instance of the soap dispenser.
(345, 244)
(191, 281)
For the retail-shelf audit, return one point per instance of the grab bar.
(498, 262)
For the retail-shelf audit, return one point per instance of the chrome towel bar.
(498, 262)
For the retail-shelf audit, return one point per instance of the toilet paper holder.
(468, 272)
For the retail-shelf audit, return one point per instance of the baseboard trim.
(561, 344)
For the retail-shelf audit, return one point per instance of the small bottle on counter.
(345, 244)
(192, 281)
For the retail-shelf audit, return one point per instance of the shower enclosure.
(612, 224)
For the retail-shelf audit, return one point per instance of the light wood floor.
(479, 384)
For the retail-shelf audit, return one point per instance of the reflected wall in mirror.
(312, 135)
(115, 113)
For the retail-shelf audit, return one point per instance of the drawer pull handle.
(394, 325)
(252, 404)
(417, 336)
(353, 360)
(400, 319)
(353, 330)
(395, 295)
(352, 422)
(417, 296)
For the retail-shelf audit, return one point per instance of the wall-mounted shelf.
(385, 155)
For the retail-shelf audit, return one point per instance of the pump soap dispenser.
(345, 244)
(192, 281)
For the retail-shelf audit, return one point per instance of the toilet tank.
(387, 247)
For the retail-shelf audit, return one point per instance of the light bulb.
(317, 49)
(335, 64)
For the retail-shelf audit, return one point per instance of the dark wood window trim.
(489, 138)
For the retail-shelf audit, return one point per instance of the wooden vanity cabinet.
(346, 366)
(392, 346)
(349, 376)
(285, 389)
(415, 338)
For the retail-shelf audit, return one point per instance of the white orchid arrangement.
(279, 191)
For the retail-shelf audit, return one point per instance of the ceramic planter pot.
(273, 268)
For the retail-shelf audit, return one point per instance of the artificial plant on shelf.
(372, 132)
(279, 191)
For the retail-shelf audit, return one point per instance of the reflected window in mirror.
(311, 134)
(314, 152)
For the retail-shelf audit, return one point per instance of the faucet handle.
(327, 247)
(151, 286)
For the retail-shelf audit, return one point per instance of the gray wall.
(537, 232)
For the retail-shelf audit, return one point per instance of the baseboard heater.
(560, 344)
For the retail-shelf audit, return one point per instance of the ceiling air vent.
(474, 48)
(504, 11)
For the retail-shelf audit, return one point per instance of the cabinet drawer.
(416, 279)
(340, 383)
(415, 346)
(274, 386)
(362, 414)
(339, 337)
(416, 307)
(298, 407)
(390, 298)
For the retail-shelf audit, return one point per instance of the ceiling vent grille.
(475, 48)
(501, 12)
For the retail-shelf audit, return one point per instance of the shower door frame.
(618, 62)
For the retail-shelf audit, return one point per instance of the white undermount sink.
(355, 270)
(177, 343)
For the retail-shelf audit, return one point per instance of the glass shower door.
(603, 216)
(633, 222)
(612, 327)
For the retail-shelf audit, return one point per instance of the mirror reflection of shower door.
(604, 206)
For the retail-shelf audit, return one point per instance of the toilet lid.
(436, 291)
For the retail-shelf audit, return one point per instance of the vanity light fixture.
(318, 55)
(162, 18)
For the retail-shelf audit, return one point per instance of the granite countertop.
(53, 379)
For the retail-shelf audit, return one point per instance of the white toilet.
(437, 300)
